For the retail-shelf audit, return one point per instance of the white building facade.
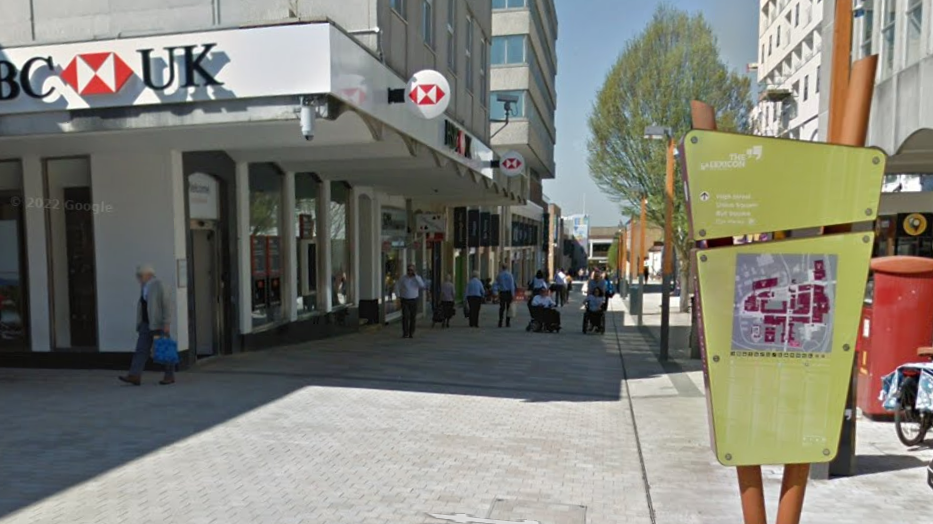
(789, 58)
(173, 136)
(524, 67)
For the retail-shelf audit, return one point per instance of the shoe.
(129, 379)
(166, 381)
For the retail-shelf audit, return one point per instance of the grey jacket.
(159, 308)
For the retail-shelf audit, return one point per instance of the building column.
(179, 198)
(290, 247)
(37, 255)
(243, 248)
(325, 267)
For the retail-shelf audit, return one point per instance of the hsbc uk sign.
(194, 67)
(107, 73)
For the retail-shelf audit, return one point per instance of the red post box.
(898, 321)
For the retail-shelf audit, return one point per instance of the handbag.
(165, 351)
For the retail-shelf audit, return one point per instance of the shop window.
(14, 314)
(265, 220)
(868, 27)
(306, 217)
(394, 241)
(914, 30)
(340, 243)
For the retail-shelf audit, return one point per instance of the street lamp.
(665, 133)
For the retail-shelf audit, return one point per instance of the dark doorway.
(79, 245)
(14, 310)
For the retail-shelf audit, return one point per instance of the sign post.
(778, 320)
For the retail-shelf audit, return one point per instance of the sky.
(591, 35)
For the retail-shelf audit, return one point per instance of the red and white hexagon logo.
(512, 164)
(97, 74)
(428, 94)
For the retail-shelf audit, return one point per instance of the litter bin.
(896, 320)
(634, 300)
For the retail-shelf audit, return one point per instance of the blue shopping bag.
(165, 351)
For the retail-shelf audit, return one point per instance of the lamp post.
(662, 133)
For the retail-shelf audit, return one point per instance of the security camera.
(507, 99)
(307, 121)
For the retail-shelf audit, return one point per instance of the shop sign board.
(778, 320)
(495, 226)
(485, 229)
(170, 69)
(203, 203)
(460, 228)
(512, 164)
(473, 228)
(431, 223)
(428, 94)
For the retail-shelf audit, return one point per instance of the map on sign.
(784, 303)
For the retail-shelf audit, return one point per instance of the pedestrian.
(535, 286)
(568, 288)
(474, 295)
(646, 273)
(506, 284)
(153, 319)
(447, 299)
(594, 316)
(409, 288)
(560, 287)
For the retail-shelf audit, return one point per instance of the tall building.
(248, 149)
(789, 45)
(524, 69)
(900, 32)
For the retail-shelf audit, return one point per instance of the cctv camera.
(307, 122)
(507, 99)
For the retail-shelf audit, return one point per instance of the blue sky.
(591, 36)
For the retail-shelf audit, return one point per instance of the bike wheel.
(910, 426)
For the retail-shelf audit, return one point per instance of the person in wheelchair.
(595, 315)
(544, 313)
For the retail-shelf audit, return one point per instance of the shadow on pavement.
(64, 428)
(874, 464)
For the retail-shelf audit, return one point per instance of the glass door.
(14, 332)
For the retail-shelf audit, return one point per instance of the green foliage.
(613, 255)
(673, 61)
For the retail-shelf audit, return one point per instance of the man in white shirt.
(409, 288)
(560, 282)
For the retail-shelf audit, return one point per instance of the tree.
(673, 61)
(612, 257)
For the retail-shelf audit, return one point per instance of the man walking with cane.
(506, 283)
(409, 288)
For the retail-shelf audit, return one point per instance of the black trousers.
(409, 312)
(559, 294)
(475, 304)
(505, 301)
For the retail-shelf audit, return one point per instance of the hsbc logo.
(512, 163)
(427, 94)
(97, 74)
(108, 73)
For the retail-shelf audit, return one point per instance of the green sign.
(742, 184)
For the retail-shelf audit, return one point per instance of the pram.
(544, 320)
(594, 320)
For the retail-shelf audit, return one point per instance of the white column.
(324, 283)
(180, 320)
(37, 256)
(289, 248)
(243, 248)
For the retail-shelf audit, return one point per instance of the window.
(509, 49)
(306, 218)
(770, 41)
(508, 4)
(398, 6)
(497, 108)
(806, 87)
(452, 35)
(762, 52)
(868, 27)
(339, 244)
(483, 66)
(888, 30)
(914, 27)
(469, 54)
(427, 21)
(816, 88)
(797, 15)
(778, 43)
(265, 221)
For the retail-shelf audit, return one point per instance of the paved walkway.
(491, 423)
